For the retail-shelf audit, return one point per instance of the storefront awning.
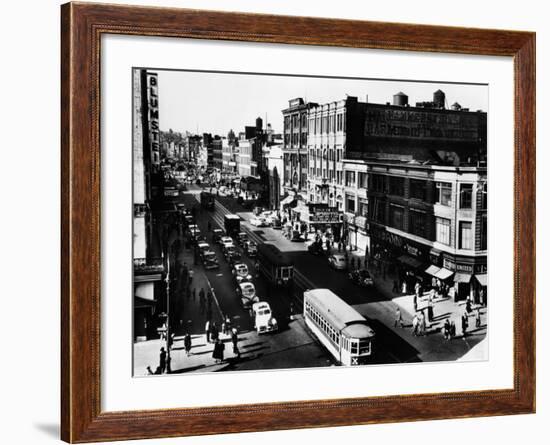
(410, 261)
(462, 277)
(443, 274)
(432, 270)
(482, 279)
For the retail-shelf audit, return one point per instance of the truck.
(232, 224)
(207, 200)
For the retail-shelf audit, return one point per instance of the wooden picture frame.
(82, 26)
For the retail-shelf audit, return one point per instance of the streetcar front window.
(354, 347)
(285, 272)
(364, 347)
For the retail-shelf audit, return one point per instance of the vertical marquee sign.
(153, 118)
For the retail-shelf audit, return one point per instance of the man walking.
(398, 318)
(162, 361)
(187, 344)
(415, 325)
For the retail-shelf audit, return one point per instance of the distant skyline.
(213, 102)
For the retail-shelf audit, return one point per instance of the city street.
(293, 345)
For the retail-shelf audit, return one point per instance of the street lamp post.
(168, 358)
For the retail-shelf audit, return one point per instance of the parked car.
(361, 277)
(337, 261)
(264, 321)
(276, 223)
(250, 249)
(210, 260)
(258, 222)
(194, 231)
(247, 293)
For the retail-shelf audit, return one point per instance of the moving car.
(247, 293)
(242, 238)
(194, 230)
(231, 254)
(217, 234)
(203, 247)
(250, 249)
(361, 277)
(240, 272)
(337, 261)
(209, 260)
(226, 241)
(264, 321)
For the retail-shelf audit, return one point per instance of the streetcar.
(275, 265)
(340, 328)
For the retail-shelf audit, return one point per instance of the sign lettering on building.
(153, 117)
(465, 268)
(322, 213)
(448, 264)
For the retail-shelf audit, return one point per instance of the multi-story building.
(148, 267)
(245, 158)
(194, 144)
(431, 218)
(275, 166)
(217, 149)
(295, 140)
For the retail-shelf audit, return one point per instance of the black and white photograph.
(292, 221)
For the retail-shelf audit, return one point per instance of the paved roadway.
(392, 344)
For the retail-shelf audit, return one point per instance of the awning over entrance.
(482, 279)
(432, 270)
(462, 277)
(145, 291)
(410, 261)
(443, 274)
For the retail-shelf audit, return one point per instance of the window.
(350, 203)
(397, 186)
(483, 235)
(443, 231)
(466, 196)
(396, 216)
(466, 239)
(363, 180)
(363, 207)
(378, 209)
(417, 223)
(483, 192)
(444, 193)
(418, 189)
(350, 179)
(378, 183)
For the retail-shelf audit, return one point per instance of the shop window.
(350, 179)
(465, 235)
(443, 231)
(363, 207)
(363, 180)
(350, 203)
(466, 196)
(444, 193)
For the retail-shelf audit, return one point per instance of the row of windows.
(327, 124)
(322, 323)
(419, 189)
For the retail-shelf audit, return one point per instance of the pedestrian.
(464, 325)
(171, 340)
(452, 330)
(194, 294)
(415, 322)
(478, 317)
(236, 350)
(190, 275)
(187, 343)
(395, 288)
(162, 360)
(404, 287)
(214, 332)
(447, 330)
(469, 305)
(217, 353)
(422, 324)
(415, 302)
(207, 330)
(398, 318)
(227, 325)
